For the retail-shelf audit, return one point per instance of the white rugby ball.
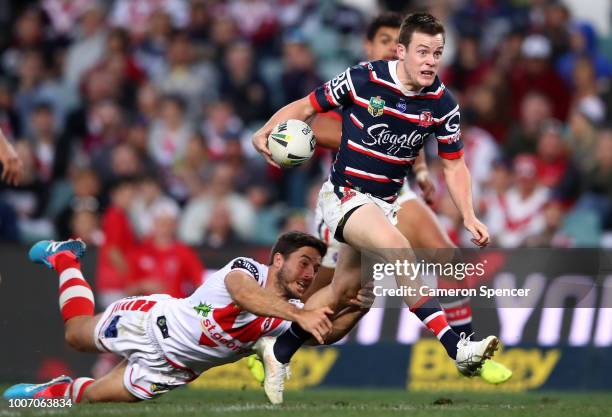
(291, 143)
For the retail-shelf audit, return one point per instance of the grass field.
(343, 403)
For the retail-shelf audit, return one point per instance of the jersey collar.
(393, 72)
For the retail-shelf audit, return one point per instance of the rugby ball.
(291, 143)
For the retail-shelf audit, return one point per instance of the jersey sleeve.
(448, 132)
(247, 266)
(338, 91)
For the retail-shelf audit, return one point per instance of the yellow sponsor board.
(430, 369)
(308, 368)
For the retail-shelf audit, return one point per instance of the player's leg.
(109, 388)
(76, 299)
(418, 223)
(370, 229)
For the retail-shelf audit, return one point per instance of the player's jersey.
(384, 126)
(208, 329)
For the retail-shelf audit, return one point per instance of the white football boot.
(471, 355)
(275, 372)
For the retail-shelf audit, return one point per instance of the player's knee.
(345, 291)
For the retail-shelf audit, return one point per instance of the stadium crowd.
(133, 119)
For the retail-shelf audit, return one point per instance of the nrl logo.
(376, 106)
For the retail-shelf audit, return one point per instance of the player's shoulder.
(248, 265)
(447, 103)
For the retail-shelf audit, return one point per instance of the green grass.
(343, 403)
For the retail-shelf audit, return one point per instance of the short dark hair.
(419, 22)
(385, 19)
(289, 242)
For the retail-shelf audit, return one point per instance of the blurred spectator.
(517, 213)
(198, 212)
(8, 223)
(258, 22)
(186, 173)
(300, 73)
(597, 182)
(220, 125)
(84, 124)
(552, 235)
(583, 122)
(556, 21)
(522, 138)
(85, 53)
(296, 221)
(223, 34)
(151, 51)
(149, 196)
(535, 73)
(28, 35)
(468, 68)
(161, 264)
(113, 270)
(120, 63)
(220, 233)
(85, 224)
(134, 15)
(583, 45)
(147, 103)
(9, 120)
(480, 151)
(65, 14)
(555, 169)
(170, 132)
(242, 85)
(29, 199)
(43, 140)
(85, 188)
(194, 81)
(34, 86)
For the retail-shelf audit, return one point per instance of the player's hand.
(428, 189)
(365, 296)
(316, 322)
(479, 232)
(12, 168)
(260, 142)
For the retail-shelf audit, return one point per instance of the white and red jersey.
(208, 329)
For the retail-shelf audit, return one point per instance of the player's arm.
(331, 95)
(300, 109)
(421, 173)
(250, 296)
(459, 183)
(12, 168)
(327, 130)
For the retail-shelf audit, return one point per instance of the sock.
(75, 295)
(428, 310)
(459, 315)
(76, 389)
(289, 342)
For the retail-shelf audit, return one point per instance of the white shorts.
(330, 260)
(335, 202)
(406, 194)
(126, 329)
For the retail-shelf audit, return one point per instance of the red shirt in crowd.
(117, 234)
(176, 268)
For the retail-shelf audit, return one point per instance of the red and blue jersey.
(384, 126)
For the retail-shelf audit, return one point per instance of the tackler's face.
(383, 45)
(421, 59)
(298, 270)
